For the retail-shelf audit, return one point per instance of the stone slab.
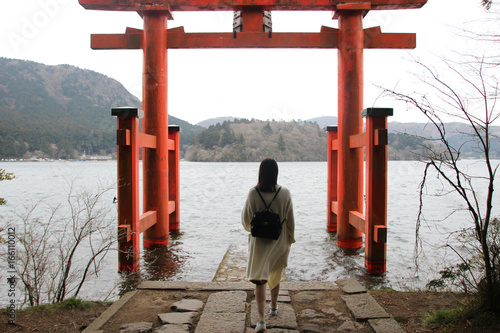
(281, 298)
(364, 306)
(108, 313)
(215, 286)
(221, 322)
(198, 286)
(388, 325)
(285, 319)
(350, 286)
(226, 302)
(282, 292)
(309, 285)
(188, 305)
(169, 328)
(140, 327)
(177, 317)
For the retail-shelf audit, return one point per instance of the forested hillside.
(62, 111)
(253, 140)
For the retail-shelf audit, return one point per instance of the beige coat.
(267, 258)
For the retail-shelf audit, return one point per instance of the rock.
(172, 329)
(310, 313)
(178, 317)
(311, 328)
(349, 326)
(140, 327)
(332, 311)
(188, 305)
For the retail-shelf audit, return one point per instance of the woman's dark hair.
(268, 175)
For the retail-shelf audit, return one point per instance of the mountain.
(324, 121)
(62, 111)
(214, 121)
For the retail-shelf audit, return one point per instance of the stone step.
(225, 311)
(286, 318)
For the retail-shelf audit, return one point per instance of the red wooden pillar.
(155, 161)
(350, 94)
(174, 181)
(128, 187)
(332, 160)
(376, 188)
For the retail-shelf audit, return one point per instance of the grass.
(71, 303)
(444, 317)
(471, 312)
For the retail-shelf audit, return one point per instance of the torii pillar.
(154, 103)
(350, 103)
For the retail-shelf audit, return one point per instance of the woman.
(267, 258)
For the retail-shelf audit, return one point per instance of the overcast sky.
(262, 84)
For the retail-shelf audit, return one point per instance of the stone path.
(233, 266)
(228, 305)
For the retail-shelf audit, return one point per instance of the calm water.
(212, 195)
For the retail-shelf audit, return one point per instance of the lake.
(212, 195)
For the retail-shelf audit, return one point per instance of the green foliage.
(401, 319)
(74, 303)
(457, 275)
(444, 317)
(4, 175)
(267, 129)
(281, 143)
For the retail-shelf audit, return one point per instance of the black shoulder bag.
(266, 223)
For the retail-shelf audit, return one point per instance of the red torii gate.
(345, 175)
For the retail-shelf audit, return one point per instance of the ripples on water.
(212, 195)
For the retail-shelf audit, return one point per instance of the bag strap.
(260, 195)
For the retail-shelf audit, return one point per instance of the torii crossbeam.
(345, 191)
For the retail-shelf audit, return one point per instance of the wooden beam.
(124, 234)
(380, 233)
(357, 140)
(127, 41)
(335, 207)
(375, 39)
(147, 141)
(147, 220)
(123, 137)
(231, 5)
(326, 39)
(381, 137)
(252, 40)
(357, 220)
(171, 207)
(171, 144)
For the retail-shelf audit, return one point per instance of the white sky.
(264, 84)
